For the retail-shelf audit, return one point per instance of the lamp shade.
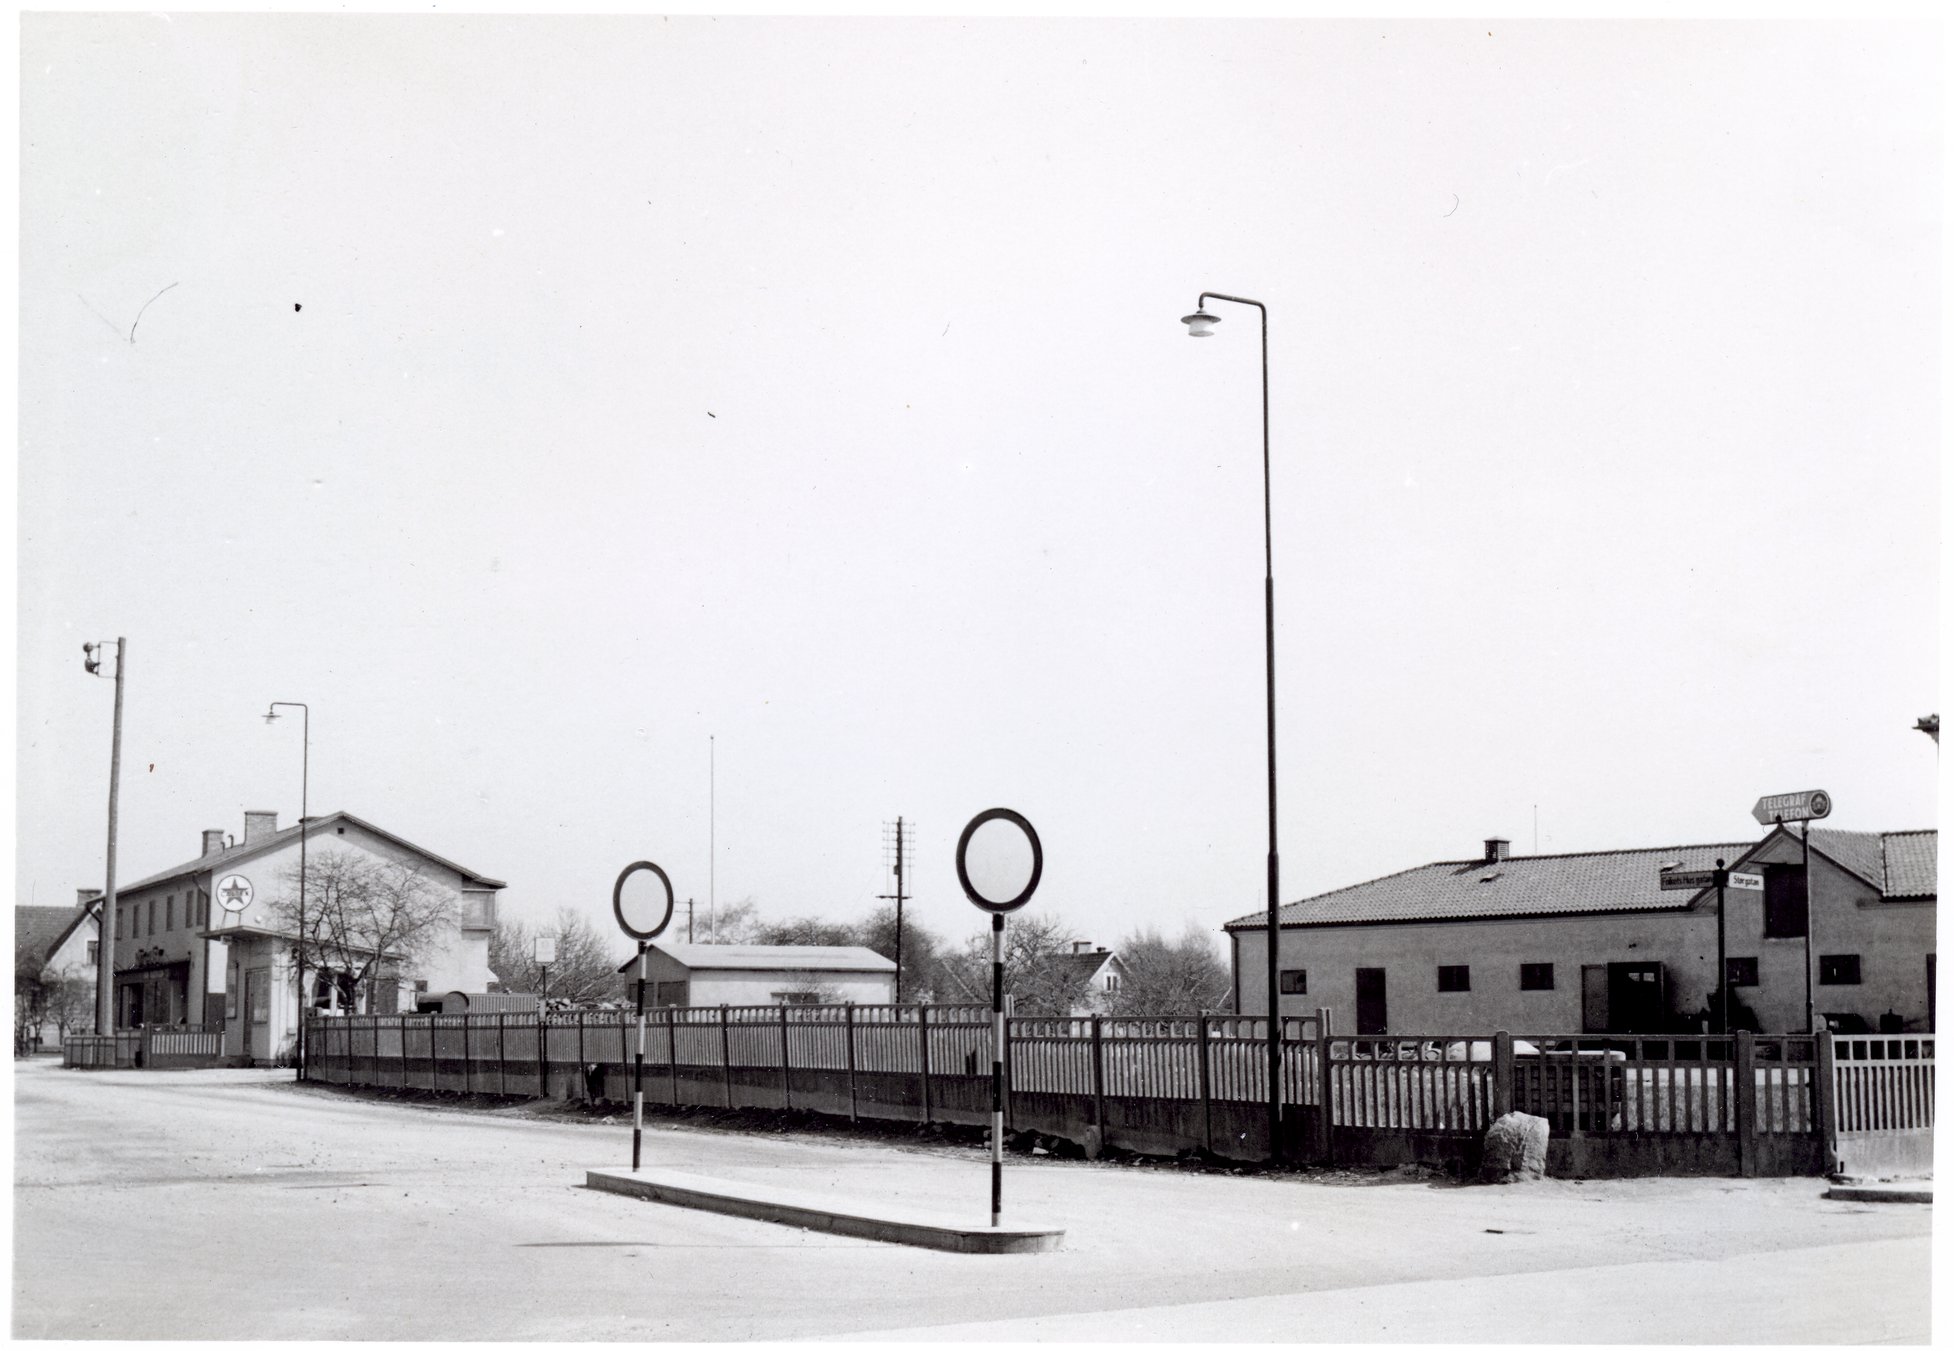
(1200, 323)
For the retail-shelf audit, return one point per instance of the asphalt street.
(235, 1204)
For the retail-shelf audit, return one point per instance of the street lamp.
(1200, 324)
(305, 782)
(91, 662)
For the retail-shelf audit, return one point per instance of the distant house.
(1092, 975)
(745, 974)
(54, 971)
(1564, 943)
(182, 957)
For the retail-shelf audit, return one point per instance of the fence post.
(542, 1052)
(786, 1084)
(1207, 1088)
(1825, 1101)
(467, 1063)
(1744, 1072)
(1010, 1098)
(671, 1050)
(1325, 1092)
(849, 1028)
(923, 1030)
(501, 1053)
(1502, 1074)
(726, 1054)
(1098, 1079)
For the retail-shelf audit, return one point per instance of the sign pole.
(998, 875)
(638, 1068)
(1723, 964)
(997, 1067)
(1811, 1022)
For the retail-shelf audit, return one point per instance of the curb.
(1901, 1192)
(757, 1202)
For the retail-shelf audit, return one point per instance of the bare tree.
(1039, 987)
(735, 922)
(1170, 976)
(364, 918)
(585, 969)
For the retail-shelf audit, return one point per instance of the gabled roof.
(40, 930)
(314, 826)
(1911, 862)
(1083, 966)
(1898, 864)
(769, 957)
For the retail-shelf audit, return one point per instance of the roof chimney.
(1497, 849)
(1080, 945)
(257, 825)
(86, 896)
(213, 843)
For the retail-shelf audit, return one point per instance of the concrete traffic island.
(1919, 1192)
(856, 1219)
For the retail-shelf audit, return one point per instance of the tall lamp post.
(305, 783)
(105, 948)
(1200, 324)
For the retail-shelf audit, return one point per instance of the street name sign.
(1690, 879)
(1746, 882)
(1809, 806)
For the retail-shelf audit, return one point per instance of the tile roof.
(264, 843)
(39, 929)
(1911, 862)
(1081, 965)
(1900, 863)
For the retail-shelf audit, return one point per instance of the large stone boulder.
(1516, 1149)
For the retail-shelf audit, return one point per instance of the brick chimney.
(1497, 850)
(257, 825)
(85, 895)
(1080, 945)
(213, 843)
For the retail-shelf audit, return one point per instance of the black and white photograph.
(658, 700)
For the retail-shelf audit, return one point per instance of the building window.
(1784, 903)
(1293, 982)
(94, 953)
(169, 912)
(1536, 975)
(1454, 979)
(152, 920)
(1742, 971)
(1112, 980)
(1841, 969)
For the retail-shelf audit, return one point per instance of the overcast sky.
(540, 398)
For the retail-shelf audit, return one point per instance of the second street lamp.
(1200, 324)
(305, 784)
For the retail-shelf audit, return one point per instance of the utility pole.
(105, 949)
(903, 833)
(712, 831)
(688, 919)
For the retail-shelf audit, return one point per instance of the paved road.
(233, 1204)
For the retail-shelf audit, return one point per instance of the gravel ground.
(235, 1204)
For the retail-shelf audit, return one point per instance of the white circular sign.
(234, 892)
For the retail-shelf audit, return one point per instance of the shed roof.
(1898, 864)
(768, 957)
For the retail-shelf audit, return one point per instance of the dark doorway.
(1930, 992)
(1370, 1001)
(1594, 999)
(1637, 1001)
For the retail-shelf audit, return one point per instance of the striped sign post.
(999, 862)
(635, 903)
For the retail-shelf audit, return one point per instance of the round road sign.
(999, 860)
(643, 907)
(234, 892)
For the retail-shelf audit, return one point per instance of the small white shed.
(708, 974)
